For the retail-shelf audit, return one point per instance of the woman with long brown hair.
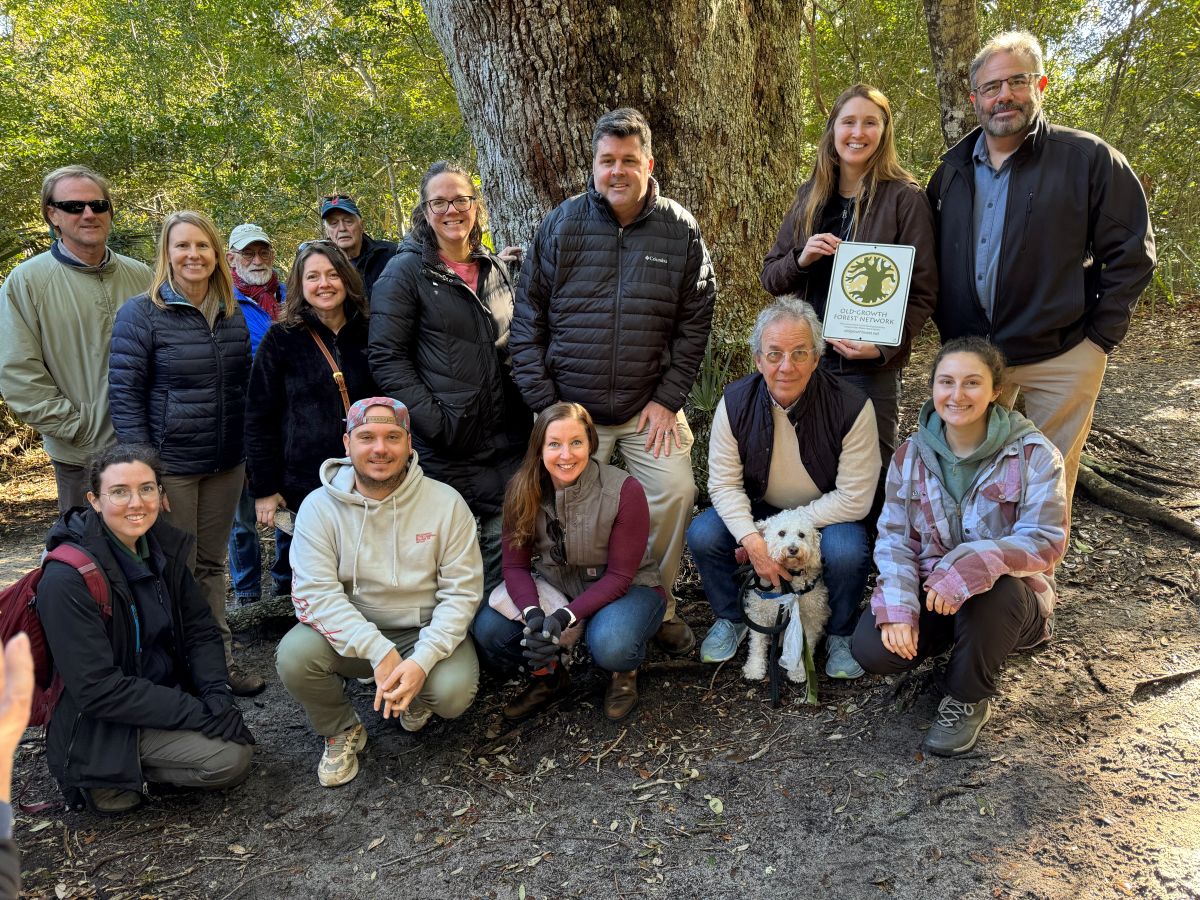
(296, 409)
(858, 191)
(575, 561)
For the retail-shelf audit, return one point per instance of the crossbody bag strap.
(338, 378)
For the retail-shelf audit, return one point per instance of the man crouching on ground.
(387, 576)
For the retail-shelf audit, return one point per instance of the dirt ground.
(1085, 784)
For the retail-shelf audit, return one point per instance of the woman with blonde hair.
(575, 561)
(178, 376)
(858, 191)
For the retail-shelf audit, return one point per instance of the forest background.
(250, 111)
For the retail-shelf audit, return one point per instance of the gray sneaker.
(721, 642)
(841, 662)
(957, 726)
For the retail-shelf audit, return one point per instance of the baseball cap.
(344, 202)
(358, 412)
(245, 235)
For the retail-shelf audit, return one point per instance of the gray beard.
(1028, 114)
(255, 278)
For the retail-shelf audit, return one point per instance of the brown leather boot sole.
(540, 692)
(675, 637)
(244, 685)
(621, 698)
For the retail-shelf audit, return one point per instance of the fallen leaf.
(459, 812)
(521, 892)
(715, 804)
(236, 848)
(533, 861)
(40, 826)
(741, 848)
(375, 843)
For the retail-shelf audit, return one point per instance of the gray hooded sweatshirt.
(361, 566)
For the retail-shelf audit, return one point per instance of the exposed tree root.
(1102, 491)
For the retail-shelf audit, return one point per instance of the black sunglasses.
(558, 549)
(336, 197)
(75, 207)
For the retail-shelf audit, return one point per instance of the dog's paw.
(755, 670)
(797, 676)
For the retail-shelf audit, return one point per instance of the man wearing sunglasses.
(56, 315)
(342, 224)
(1044, 244)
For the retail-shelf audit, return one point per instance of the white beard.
(255, 278)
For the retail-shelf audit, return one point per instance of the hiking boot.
(416, 716)
(957, 726)
(113, 801)
(841, 662)
(339, 762)
(541, 691)
(247, 599)
(244, 684)
(675, 637)
(721, 642)
(621, 696)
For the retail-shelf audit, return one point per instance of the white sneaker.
(416, 716)
(339, 763)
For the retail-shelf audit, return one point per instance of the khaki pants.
(670, 491)
(203, 505)
(1060, 396)
(314, 674)
(189, 759)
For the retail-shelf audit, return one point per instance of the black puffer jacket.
(613, 317)
(92, 739)
(178, 386)
(295, 418)
(442, 350)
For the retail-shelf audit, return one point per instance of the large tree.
(721, 84)
(953, 42)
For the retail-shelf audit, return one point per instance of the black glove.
(229, 726)
(217, 702)
(555, 624)
(533, 619)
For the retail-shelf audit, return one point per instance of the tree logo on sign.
(870, 279)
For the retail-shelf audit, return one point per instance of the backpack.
(17, 614)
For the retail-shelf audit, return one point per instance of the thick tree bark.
(720, 83)
(953, 42)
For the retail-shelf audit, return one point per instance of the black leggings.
(985, 630)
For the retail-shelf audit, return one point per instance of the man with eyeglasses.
(613, 312)
(343, 225)
(791, 435)
(1044, 244)
(56, 315)
(260, 295)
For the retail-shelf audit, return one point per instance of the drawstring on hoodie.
(362, 527)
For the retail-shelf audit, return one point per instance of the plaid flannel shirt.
(1011, 522)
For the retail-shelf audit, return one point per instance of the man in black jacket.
(342, 223)
(1044, 244)
(613, 312)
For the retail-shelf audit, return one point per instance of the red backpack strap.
(80, 560)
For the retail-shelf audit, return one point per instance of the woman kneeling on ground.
(973, 524)
(575, 559)
(145, 693)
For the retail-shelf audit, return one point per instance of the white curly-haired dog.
(795, 543)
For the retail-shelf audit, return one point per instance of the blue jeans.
(617, 635)
(489, 529)
(245, 555)
(844, 555)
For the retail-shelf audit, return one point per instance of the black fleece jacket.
(92, 739)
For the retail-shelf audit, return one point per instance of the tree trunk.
(721, 84)
(953, 41)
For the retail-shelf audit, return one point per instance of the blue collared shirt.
(991, 201)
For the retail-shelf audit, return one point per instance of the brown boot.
(675, 637)
(621, 696)
(541, 691)
(243, 684)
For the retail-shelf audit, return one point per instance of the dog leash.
(749, 582)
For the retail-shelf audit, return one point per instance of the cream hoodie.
(409, 561)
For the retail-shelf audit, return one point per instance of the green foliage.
(726, 359)
(248, 111)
